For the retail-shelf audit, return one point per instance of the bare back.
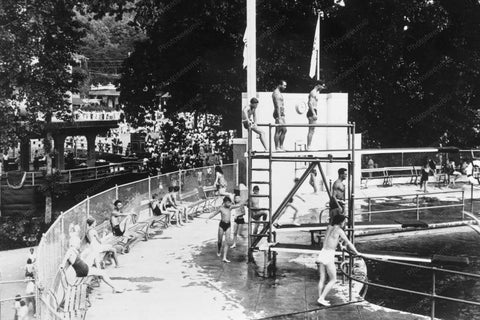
(332, 237)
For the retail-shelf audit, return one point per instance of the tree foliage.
(37, 43)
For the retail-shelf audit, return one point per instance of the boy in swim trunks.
(326, 257)
(224, 226)
(238, 222)
(256, 213)
(249, 120)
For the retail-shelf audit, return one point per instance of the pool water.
(464, 242)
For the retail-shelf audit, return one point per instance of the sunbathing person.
(82, 269)
(166, 206)
(155, 205)
(96, 245)
(119, 220)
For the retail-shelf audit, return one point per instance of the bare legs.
(223, 244)
(261, 134)
(237, 229)
(323, 290)
(280, 133)
(92, 271)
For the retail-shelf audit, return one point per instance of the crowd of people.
(181, 147)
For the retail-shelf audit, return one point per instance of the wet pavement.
(177, 275)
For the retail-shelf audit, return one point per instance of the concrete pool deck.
(177, 275)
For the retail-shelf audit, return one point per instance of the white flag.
(245, 51)
(315, 50)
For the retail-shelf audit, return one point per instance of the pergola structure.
(61, 130)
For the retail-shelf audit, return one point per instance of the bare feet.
(233, 246)
(323, 302)
(117, 290)
(225, 260)
(218, 253)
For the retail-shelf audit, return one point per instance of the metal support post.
(418, 207)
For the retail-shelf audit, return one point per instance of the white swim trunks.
(326, 256)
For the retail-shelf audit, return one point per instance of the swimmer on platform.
(337, 201)
(279, 115)
(249, 120)
(312, 113)
(326, 257)
(224, 226)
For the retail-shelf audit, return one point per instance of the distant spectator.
(23, 311)
(32, 256)
(29, 269)
(17, 306)
(30, 291)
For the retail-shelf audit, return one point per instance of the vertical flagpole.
(251, 49)
(319, 14)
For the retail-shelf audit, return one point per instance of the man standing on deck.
(279, 115)
(312, 113)
(337, 200)
(326, 257)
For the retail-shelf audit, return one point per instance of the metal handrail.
(431, 295)
(102, 167)
(306, 125)
(409, 195)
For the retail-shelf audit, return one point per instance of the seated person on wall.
(180, 204)
(119, 220)
(167, 208)
(156, 211)
(95, 245)
(81, 268)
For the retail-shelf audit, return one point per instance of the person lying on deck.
(81, 268)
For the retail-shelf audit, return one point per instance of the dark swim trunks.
(246, 124)
(310, 114)
(116, 231)
(239, 220)
(224, 225)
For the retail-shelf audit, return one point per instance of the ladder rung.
(259, 182)
(260, 196)
(260, 169)
(259, 209)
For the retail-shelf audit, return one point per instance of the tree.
(37, 43)
(108, 41)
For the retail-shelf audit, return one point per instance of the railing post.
(463, 205)
(88, 206)
(62, 224)
(369, 210)
(116, 192)
(433, 293)
(69, 176)
(180, 181)
(471, 198)
(149, 188)
(96, 173)
(418, 208)
(236, 174)
(33, 178)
